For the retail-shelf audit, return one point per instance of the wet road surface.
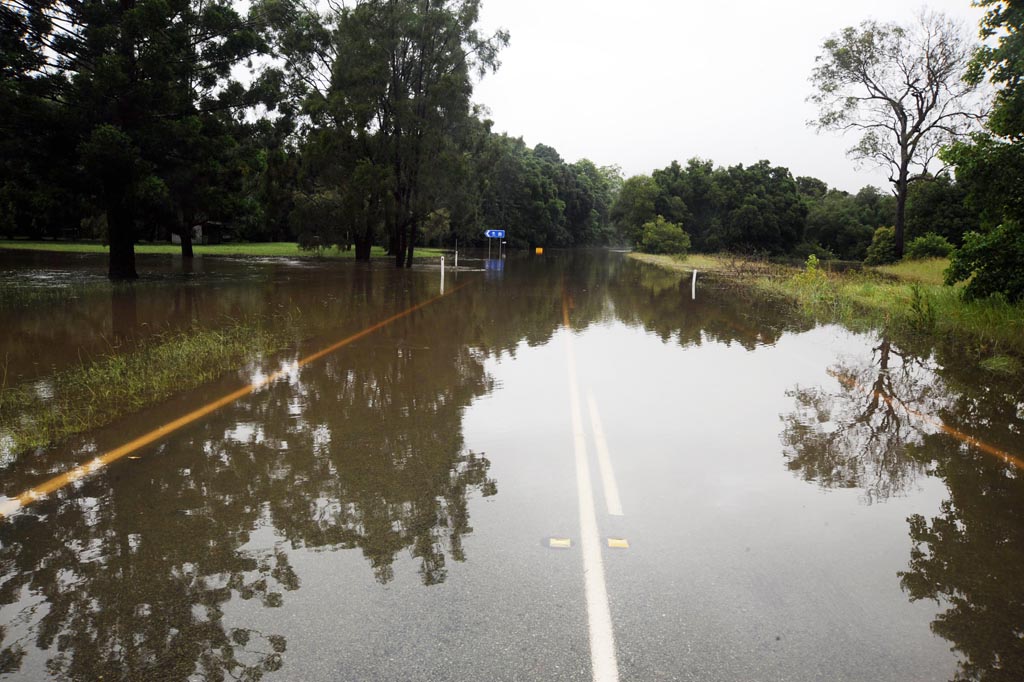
(387, 510)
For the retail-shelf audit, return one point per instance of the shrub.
(883, 247)
(992, 263)
(813, 287)
(929, 245)
(812, 276)
(661, 236)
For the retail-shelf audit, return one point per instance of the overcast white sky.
(639, 83)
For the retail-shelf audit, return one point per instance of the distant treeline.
(124, 120)
(763, 209)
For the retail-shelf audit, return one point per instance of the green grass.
(1002, 364)
(907, 298)
(909, 305)
(12, 296)
(926, 271)
(258, 249)
(705, 262)
(98, 391)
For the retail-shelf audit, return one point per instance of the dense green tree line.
(130, 119)
(754, 209)
(353, 125)
(764, 209)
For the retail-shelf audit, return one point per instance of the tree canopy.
(991, 164)
(754, 208)
(902, 89)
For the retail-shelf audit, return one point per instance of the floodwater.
(800, 502)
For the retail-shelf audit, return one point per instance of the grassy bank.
(103, 389)
(257, 249)
(906, 298)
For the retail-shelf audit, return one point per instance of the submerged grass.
(12, 296)
(705, 262)
(259, 249)
(906, 298)
(98, 391)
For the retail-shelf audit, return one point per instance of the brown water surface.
(801, 502)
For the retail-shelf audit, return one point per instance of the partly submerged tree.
(146, 91)
(392, 79)
(903, 90)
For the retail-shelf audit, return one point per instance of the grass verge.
(257, 249)
(926, 271)
(906, 298)
(101, 390)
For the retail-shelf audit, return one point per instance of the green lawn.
(265, 249)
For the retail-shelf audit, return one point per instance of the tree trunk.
(901, 211)
(363, 239)
(363, 247)
(121, 216)
(402, 243)
(186, 242)
(363, 243)
(120, 230)
(411, 245)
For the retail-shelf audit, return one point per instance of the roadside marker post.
(693, 287)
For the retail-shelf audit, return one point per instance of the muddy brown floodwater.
(795, 501)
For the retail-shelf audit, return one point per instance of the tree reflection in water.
(128, 574)
(134, 583)
(367, 452)
(968, 558)
(861, 435)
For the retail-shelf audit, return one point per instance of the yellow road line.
(9, 506)
(850, 382)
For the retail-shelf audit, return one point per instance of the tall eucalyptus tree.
(903, 90)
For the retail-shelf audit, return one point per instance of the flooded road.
(564, 469)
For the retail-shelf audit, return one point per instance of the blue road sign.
(494, 234)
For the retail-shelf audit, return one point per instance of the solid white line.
(602, 638)
(604, 460)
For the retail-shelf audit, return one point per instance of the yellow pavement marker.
(559, 543)
(618, 543)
